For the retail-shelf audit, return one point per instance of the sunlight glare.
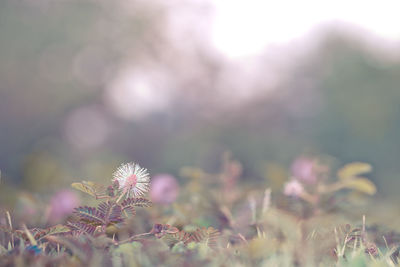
(241, 28)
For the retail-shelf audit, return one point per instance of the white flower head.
(132, 179)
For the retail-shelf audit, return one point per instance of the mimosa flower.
(304, 170)
(164, 189)
(133, 180)
(293, 188)
(61, 205)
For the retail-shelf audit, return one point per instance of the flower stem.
(121, 196)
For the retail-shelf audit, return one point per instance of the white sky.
(242, 29)
(246, 27)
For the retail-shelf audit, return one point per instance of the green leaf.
(179, 247)
(361, 184)
(353, 170)
(76, 246)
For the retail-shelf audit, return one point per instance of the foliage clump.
(217, 221)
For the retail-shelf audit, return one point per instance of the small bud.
(110, 191)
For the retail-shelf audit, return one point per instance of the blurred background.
(88, 85)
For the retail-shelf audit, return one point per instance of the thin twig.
(363, 233)
(101, 197)
(243, 238)
(120, 197)
(30, 236)
(11, 227)
(132, 238)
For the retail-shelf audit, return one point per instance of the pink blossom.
(62, 204)
(304, 170)
(293, 188)
(132, 179)
(164, 189)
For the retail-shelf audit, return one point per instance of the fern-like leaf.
(105, 209)
(111, 212)
(116, 214)
(208, 236)
(172, 239)
(5, 229)
(129, 204)
(183, 236)
(136, 202)
(53, 230)
(90, 215)
(81, 227)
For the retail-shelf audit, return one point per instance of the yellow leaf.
(361, 184)
(86, 187)
(354, 169)
(276, 175)
(260, 247)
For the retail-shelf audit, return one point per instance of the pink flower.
(293, 188)
(164, 189)
(132, 179)
(62, 204)
(304, 170)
